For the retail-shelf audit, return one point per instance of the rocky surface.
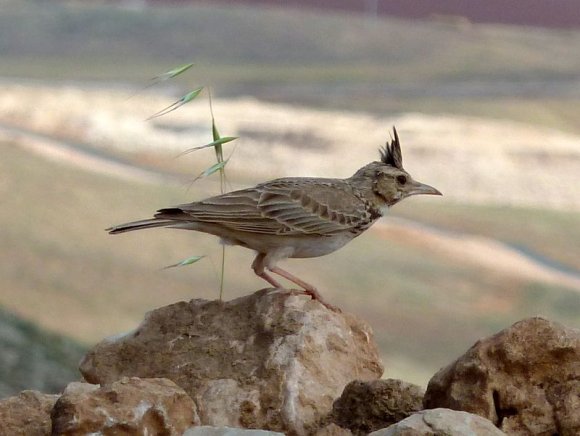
(270, 360)
(130, 406)
(205, 430)
(332, 430)
(367, 406)
(441, 422)
(27, 414)
(276, 361)
(525, 379)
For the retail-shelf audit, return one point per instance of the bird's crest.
(391, 152)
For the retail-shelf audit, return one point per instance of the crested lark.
(296, 216)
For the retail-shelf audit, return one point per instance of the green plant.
(217, 143)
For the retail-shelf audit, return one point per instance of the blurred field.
(324, 45)
(487, 114)
(471, 160)
(328, 59)
(550, 235)
(65, 273)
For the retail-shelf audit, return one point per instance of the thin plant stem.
(223, 271)
(220, 158)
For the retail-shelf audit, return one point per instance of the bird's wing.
(313, 206)
(236, 210)
(283, 207)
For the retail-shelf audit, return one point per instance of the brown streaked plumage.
(296, 216)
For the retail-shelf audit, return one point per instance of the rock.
(441, 422)
(26, 414)
(206, 430)
(367, 406)
(525, 379)
(270, 360)
(130, 406)
(333, 430)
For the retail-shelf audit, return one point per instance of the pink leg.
(269, 279)
(261, 263)
(259, 269)
(308, 288)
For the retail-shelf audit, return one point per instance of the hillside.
(471, 160)
(33, 358)
(398, 51)
(68, 275)
(486, 113)
(557, 13)
(327, 60)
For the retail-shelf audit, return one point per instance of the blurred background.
(485, 97)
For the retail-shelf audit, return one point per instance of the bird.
(296, 217)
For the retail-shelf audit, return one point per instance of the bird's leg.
(308, 288)
(263, 261)
(259, 269)
(269, 279)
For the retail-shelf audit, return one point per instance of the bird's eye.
(401, 180)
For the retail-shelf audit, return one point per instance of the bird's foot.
(308, 289)
(315, 295)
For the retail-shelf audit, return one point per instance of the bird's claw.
(315, 295)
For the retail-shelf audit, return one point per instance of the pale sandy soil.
(470, 160)
(485, 253)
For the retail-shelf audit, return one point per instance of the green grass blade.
(176, 105)
(166, 76)
(172, 73)
(219, 151)
(185, 262)
(214, 168)
(217, 142)
(214, 130)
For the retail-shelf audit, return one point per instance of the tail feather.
(138, 225)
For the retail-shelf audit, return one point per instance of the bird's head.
(390, 182)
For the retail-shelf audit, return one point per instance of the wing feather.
(290, 206)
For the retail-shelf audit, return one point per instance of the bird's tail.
(138, 225)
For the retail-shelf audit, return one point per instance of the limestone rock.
(26, 414)
(525, 379)
(130, 406)
(206, 430)
(333, 430)
(367, 406)
(270, 360)
(441, 422)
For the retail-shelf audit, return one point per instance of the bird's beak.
(416, 188)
